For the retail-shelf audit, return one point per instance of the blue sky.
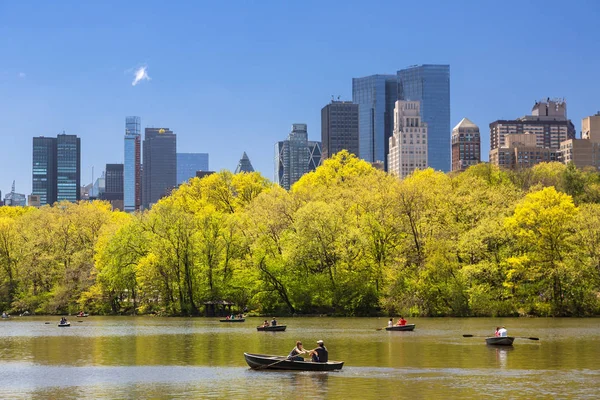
(232, 76)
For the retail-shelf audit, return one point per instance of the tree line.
(347, 239)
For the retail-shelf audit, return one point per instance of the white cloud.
(22, 75)
(140, 74)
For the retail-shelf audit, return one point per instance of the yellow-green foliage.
(347, 239)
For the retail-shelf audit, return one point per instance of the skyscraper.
(132, 171)
(376, 96)
(295, 156)
(160, 165)
(408, 144)
(339, 128)
(68, 167)
(430, 84)
(244, 165)
(114, 184)
(466, 145)
(188, 164)
(44, 169)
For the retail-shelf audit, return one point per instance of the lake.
(164, 358)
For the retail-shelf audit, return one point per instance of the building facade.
(188, 164)
(244, 165)
(68, 168)
(295, 156)
(408, 144)
(521, 151)
(44, 170)
(14, 199)
(548, 122)
(584, 152)
(376, 96)
(466, 145)
(160, 165)
(339, 128)
(430, 85)
(132, 166)
(114, 185)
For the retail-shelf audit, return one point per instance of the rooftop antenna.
(13, 187)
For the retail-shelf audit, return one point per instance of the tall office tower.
(159, 174)
(244, 165)
(44, 170)
(548, 122)
(132, 170)
(466, 145)
(295, 156)
(430, 84)
(114, 185)
(68, 168)
(408, 144)
(339, 128)
(188, 164)
(376, 96)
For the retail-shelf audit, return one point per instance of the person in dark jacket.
(320, 354)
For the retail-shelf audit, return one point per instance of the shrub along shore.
(347, 239)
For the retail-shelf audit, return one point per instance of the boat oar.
(518, 337)
(276, 362)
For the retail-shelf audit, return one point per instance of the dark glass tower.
(376, 97)
(68, 167)
(113, 182)
(159, 175)
(44, 169)
(430, 84)
(339, 128)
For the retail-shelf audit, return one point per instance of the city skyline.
(89, 89)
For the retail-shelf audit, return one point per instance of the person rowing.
(320, 353)
(296, 351)
(391, 322)
(63, 321)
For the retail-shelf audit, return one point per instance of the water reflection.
(501, 353)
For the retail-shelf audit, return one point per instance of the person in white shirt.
(391, 322)
(503, 332)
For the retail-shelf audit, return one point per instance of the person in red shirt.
(401, 321)
(497, 333)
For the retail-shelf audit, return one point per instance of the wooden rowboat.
(276, 328)
(261, 361)
(233, 320)
(407, 327)
(64, 325)
(500, 340)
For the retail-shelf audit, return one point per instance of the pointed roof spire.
(465, 123)
(244, 165)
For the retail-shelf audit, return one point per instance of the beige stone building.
(522, 151)
(408, 144)
(584, 152)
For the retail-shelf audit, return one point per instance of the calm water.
(122, 357)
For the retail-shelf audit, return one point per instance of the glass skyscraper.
(188, 164)
(68, 167)
(430, 84)
(295, 156)
(376, 96)
(44, 170)
(160, 165)
(132, 178)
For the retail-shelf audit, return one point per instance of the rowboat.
(261, 361)
(500, 340)
(64, 325)
(407, 327)
(276, 328)
(233, 320)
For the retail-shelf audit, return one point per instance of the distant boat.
(261, 361)
(233, 320)
(65, 325)
(270, 328)
(500, 340)
(407, 327)
(82, 315)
